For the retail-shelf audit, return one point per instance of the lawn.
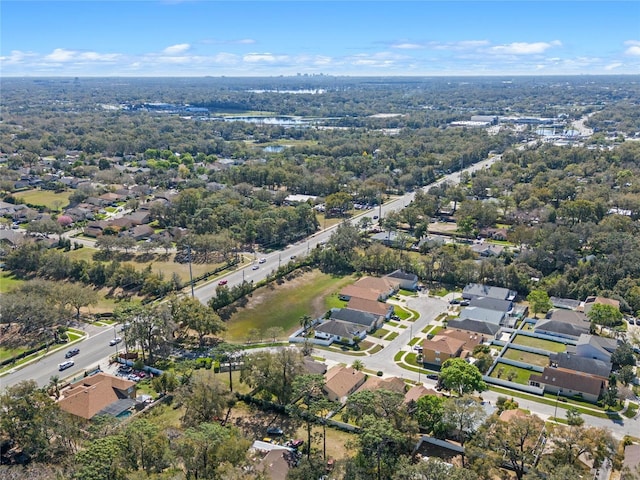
(284, 305)
(380, 333)
(540, 343)
(158, 263)
(46, 198)
(392, 335)
(514, 374)
(8, 282)
(527, 357)
(333, 301)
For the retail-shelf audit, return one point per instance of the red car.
(222, 282)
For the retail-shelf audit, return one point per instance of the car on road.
(115, 341)
(275, 431)
(375, 217)
(72, 352)
(255, 267)
(64, 365)
(293, 257)
(417, 348)
(222, 282)
(262, 260)
(433, 376)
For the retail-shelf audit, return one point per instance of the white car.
(65, 365)
(262, 260)
(115, 341)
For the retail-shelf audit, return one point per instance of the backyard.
(540, 343)
(511, 373)
(527, 357)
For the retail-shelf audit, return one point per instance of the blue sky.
(265, 38)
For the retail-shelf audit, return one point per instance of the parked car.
(222, 282)
(72, 352)
(274, 431)
(417, 348)
(433, 376)
(115, 341)
(65, 365)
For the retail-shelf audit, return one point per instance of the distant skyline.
(195, 38)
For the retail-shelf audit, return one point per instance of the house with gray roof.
(477, 326)
(571, 361)
(565, 303)
(484, 315)
(591, 346)
(490, 303)
(339, 331)
(563, 323)
(366, 319)
(473, 290)
(407, 281)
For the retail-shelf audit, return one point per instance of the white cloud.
(61, 55)
(461, 45)
(523, 48)
(613, 66)
(176, 49)
(264, 57)
(16, 57)
(407, 46)
(246, 41)
(634, 47)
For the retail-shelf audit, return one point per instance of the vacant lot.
(284, 305)
(540, 343)
(46, 198)
(527, 357)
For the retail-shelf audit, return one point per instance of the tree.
(539, 302)
(626, 374)
(380, 446)
(429, 412)
(574, 440)
(206, 447)
(192, 313)
(604, 315)
(357, 365)
(574, 417)
(623, 355)
(463, 415)
(150, 327)
(79, 296)
(102, 459)
(517, 442)
(432, 469)
(274, 333)
(205, 399)
(461, 377)
(309, 391)
(147, 447)
(228, 352)
(273, 373)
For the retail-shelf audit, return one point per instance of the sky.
(195, 38)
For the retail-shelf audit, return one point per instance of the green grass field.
(284, 305)
(540, 343)
(380, 333)
(8, 282)
(527, 357)
(514, 374)
(46, 198)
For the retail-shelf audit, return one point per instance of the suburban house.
(351, 291)
(98, 394)
(139, 217)
(388, 238)
(340, 382)
(486, 315)
(477, 326)
(312, 367)
(371, 306)
(565, 303)
(407, 281)
(490, 303)
(393, 384)
(418, 391)
(569, 383)
(591, 301)
(487, 249)
(274, 460)
(473, 290)
(369, 320)
(384, 286)
(508, 415)
(571, 361)
(339, 331)
(449, 344)
(139, 232)
(564, 324)
(631, 463)
(95, 229)
(591, 346)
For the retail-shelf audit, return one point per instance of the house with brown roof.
(593, 300)
(92, 395)
(418, 391)
(509, 415)
(569, 383)
(351, 291)
(393, 384)
(371, 306)
(631, 463)
(386, 286)
(341, 381)
(449, 344)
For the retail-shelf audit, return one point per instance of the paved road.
(94, 350)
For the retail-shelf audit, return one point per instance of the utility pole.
(190, 271)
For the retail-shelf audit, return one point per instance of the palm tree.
(357, 365)
(54, 382)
